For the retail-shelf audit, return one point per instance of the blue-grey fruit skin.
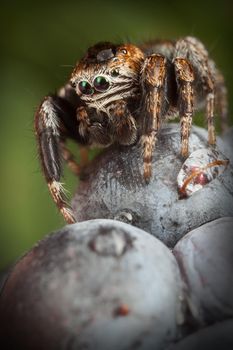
(103, 284)
(205, 257)
(100, 284)
(216, 337)
(114, 188)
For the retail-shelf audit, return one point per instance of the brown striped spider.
(123, 93)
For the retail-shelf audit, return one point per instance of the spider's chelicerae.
(122, 94)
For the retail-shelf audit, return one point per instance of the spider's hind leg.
(221, 100)
(194, 51)
(210, 103)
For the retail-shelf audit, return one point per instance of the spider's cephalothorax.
(107, 74)
(107, 80)
(123, 93)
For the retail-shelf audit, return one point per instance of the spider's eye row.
(101, 83)
(85, 87)
(114, 72)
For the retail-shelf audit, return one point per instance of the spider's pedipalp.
(124, 125)
(153, 82)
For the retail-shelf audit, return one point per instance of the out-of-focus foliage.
(40, 42)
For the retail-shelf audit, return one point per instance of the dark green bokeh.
(40, 42)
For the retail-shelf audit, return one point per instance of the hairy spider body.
(122, 94)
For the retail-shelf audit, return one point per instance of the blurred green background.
(39, 44)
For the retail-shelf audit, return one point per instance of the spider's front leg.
(53, 119)
(154, 106)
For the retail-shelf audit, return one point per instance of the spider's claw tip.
(147, 176)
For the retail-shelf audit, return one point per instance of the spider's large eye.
(101, 83)
(85, 88)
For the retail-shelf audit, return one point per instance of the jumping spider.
(122, 94)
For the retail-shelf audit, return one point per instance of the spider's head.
(107, 73)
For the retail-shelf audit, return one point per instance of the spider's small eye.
(85, 88)
(124, 51)
(114, 72)
(73, 84)
(101, 83)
